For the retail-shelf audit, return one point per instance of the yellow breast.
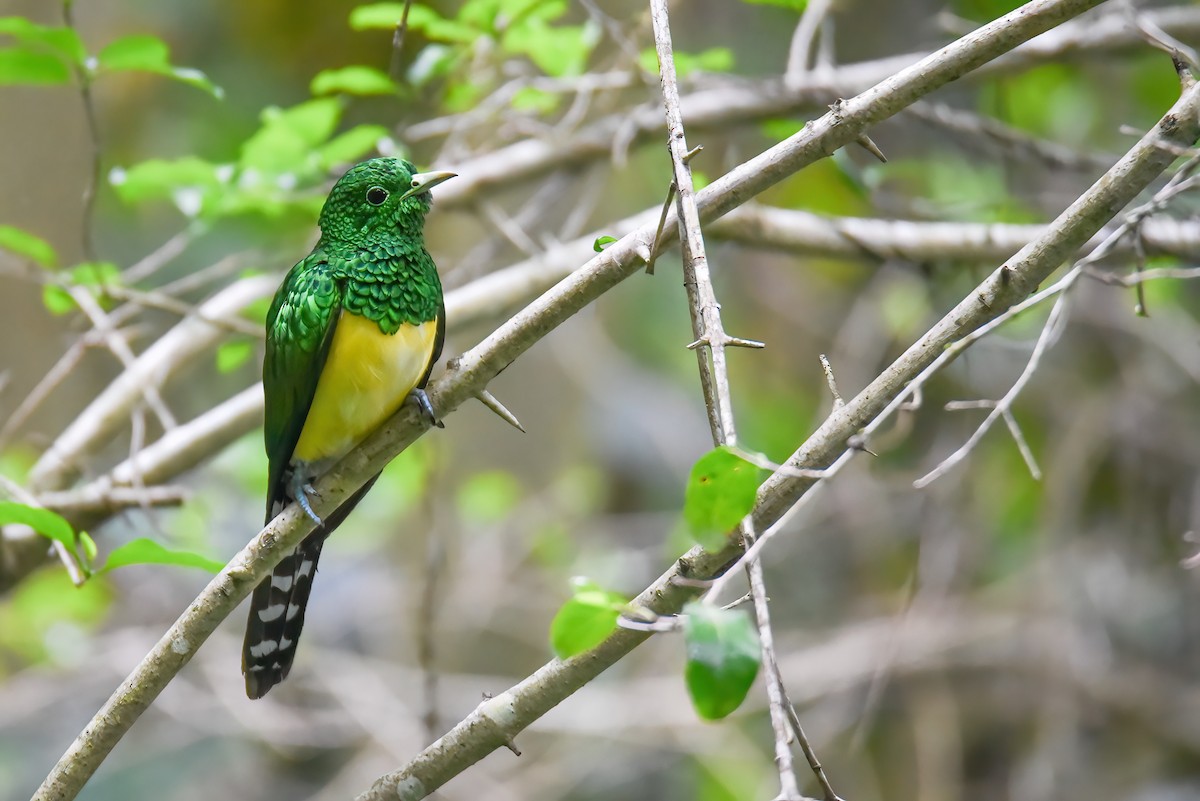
(367, 375)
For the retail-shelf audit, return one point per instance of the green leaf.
(721, 490)
(559, 50)
(433, 61)
(722, 658)
(585, 620)
(421, 18)
(353, 80)
(19, 65)
(376, 15)
(351, 146)
(488, 497)
(89, 546)
(439, 29)
(64, 41)
(233, 354)
(57, 300)
(288, 137)
(95, 273)
(530, 98)
(148, 552)
(136, 52)
(23, 243)
(142, 53)
(602, 242)
(157, 179)
(43, 521)
(716, 59)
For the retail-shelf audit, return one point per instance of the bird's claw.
(302, 490)
(426, 407)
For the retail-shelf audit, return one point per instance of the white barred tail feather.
(277, 606)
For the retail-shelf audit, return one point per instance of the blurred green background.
(990, 637)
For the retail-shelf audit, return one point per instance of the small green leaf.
(722, 658)
(89, 546)
(157, 179)
(585, 620)
(353, 80)
(144, 53)
(62, 40)
(376, 15)
(96, 273)
(233, 354)
(20, 65)
(148, 552)
(721, 490)
(715, 59)
(488, 497)
(433, 25)
(57, 300)
(136, 52)
(351, 146)
(438, 28)
(602, 242)
(558, 50)
(43, 521)
(288, 136)
(433, 61)
(530, 98)
(23, 243)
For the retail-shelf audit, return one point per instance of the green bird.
(354, 329)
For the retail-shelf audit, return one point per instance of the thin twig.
(90, 188)
(396, 69)
(708, 329)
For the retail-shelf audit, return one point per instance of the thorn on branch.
(489, 400)
(688, 156)
(857, 442)
(869, 145)
(727, 342)
(662, 222)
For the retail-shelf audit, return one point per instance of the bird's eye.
(376, 195)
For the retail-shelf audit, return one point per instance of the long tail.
(277, 607)
(277, 616)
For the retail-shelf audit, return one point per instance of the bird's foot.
(426, 407)
(301, 491)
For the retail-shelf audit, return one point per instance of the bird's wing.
(300, 328)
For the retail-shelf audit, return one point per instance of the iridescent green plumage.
(370, 264)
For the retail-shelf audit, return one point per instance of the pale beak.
(424, 181)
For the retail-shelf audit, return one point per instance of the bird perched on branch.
(354, 329)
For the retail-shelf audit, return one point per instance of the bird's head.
(379, 198)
